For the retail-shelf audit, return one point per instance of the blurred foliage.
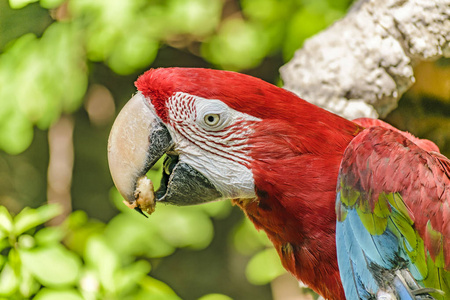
(35, 263)
(87, 259)
(41, 77)
(425, 109)
(80, 57)
(56, 55)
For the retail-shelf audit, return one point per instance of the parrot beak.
(138, 139)
(136, 142)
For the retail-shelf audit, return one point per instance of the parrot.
(355, 209)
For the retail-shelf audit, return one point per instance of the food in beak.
(144, 195)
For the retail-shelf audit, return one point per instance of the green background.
(77, 61)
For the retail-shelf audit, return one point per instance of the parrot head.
(204, 139)
(219, 129)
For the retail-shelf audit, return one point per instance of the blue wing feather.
(379, 249)
(357, 246)
(351, 279)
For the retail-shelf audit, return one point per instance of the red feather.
(241, 92)
(297, 150)
(402, 165)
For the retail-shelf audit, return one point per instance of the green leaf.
(196, 17)
(89, 283)
(28, 286)
(264, 267)
(143, 239)
(52, 266)
(183, 227)
(16, 4)
(50, 4)
(49, 235)
(265, 10)
(80, 229)
(9, 280)
(304, 23)
(237, 45)
(50, 294)
(6, 222)
(16, 133)
(134, 52)
(247, 239)
(3, 235)
(29, 218)
(104, 260)
(155, 289)
(127, 278)
(215, 297)
(218, 209)
(25, 71)
(26, 241)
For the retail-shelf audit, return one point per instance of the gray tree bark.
(363, 63)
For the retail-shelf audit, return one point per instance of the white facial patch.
(212, 138)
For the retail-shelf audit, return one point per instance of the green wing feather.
(399, 193)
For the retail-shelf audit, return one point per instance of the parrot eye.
(212, 119)
(212, 115)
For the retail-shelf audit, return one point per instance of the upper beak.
(137, 140)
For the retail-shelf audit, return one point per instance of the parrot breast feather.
(393, 218)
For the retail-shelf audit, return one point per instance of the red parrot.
(355, 209)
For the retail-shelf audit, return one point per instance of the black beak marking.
(139, 210)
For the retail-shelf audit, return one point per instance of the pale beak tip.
(144, 197)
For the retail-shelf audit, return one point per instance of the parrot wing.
(393, 218)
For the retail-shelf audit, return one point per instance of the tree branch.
(362, 64)
(60, 166)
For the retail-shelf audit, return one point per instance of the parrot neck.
(295, 180)
(300, 223)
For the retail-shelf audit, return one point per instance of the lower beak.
(138, 139)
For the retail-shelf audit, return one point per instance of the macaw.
(355, 209)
